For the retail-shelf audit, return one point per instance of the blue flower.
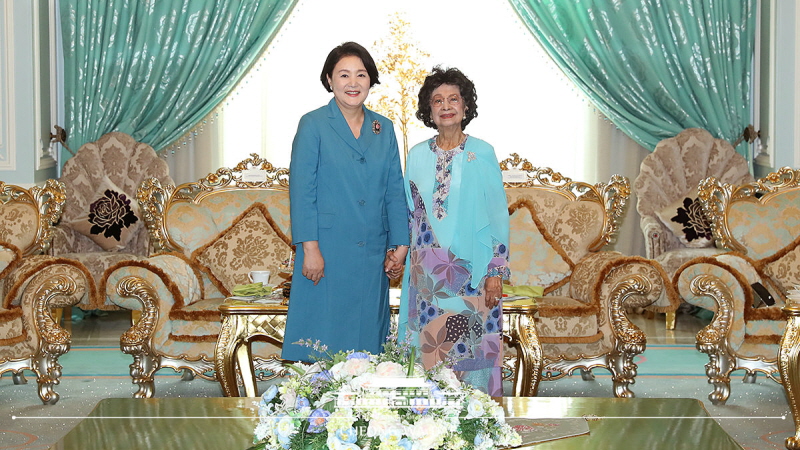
(301, 403)
(490, 326)
(358, 355)
(501, 249)
(427, 237)
(423, 227)
(405, 443)
(347, 436)
(272, 391)
(419, 405)
(317, 420)
(323, 376)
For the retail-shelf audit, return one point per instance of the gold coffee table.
(214, 423)
(243, 321)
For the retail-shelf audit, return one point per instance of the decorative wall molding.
(44, 63)
(7, 91)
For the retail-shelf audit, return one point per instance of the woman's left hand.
(493, 289)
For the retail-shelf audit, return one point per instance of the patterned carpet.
(756, 415)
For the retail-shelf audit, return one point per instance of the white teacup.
(261, 276)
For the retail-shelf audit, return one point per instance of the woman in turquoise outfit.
(348, 212)
(451, 307)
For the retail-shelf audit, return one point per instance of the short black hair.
(453, 77)
(348, 49)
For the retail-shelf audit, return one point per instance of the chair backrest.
(677, 165)
(107, 170)
(759, 219)
(234, 220)
(27, 216)
(556, 221)
(666, 189)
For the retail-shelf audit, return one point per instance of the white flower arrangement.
(361, 401)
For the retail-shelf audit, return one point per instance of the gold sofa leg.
(55, 341)
(671, 320)
(631, 341)
(788, 365)
(137, 340)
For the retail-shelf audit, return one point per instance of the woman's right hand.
(313, 262)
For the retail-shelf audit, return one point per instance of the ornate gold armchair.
(760, 221)
(558, 230)
(672, 219)
(32, 284)
(210, 234)
(101, 224)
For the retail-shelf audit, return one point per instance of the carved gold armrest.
(596, 275)
(55, 285)
(173, 279)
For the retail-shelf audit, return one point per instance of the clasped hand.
(393, 263)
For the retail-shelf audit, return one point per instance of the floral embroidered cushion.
(687, 221)
(252, 242)
(112, 219)
(537, 260)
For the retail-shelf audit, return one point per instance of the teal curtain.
(155, 68)
(654, 67)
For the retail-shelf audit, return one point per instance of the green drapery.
(654, 67)
(153, 69)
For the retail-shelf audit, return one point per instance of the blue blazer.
(348, 195)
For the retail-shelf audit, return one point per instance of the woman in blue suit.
(349, 215)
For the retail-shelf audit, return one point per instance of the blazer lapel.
(368, 136)
(339, 125)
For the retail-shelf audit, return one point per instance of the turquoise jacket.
(347, 194)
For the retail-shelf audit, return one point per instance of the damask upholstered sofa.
(559, 228)
(672, 217)
(102, 224)
(32, 284)
(747, 286)
(208, 236)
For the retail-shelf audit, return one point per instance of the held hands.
(393, 263)
(493, 289)
(313, 262)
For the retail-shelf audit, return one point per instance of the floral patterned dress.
(443, 311)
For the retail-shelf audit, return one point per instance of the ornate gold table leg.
(788, 365)
(245, 362)
(528, 368)
(224, 362)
